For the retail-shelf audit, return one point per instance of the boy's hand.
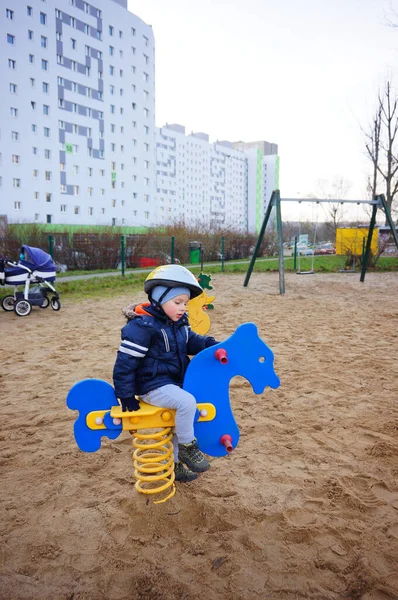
(130, 404)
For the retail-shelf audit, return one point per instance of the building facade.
(78, 142)
(77, 113)
(213, 184)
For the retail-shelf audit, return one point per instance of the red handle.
(226, 441)
(221, 355)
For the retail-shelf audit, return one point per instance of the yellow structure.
(349, 240)
(154, 451)
(198, 318)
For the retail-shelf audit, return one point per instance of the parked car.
(304, 250)
(325, 249)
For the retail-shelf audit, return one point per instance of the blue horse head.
(208, 378)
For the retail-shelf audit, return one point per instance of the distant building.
(78, 142)
(199, 182)
(77, 113)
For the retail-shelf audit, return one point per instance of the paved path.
(134, 271)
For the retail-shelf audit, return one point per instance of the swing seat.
(305, 272)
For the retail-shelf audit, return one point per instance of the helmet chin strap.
(158, 303)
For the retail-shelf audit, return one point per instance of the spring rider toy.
(243, 353)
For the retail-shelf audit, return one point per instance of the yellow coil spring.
(154, 463)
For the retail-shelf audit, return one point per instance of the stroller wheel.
(8, 303)
(55, 304)
(22, 308)
(45, 303)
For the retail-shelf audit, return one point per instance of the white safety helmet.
(172, 276)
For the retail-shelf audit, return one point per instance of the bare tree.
(381, 145)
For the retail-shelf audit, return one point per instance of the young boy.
(153, 357)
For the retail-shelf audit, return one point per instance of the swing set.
(378, 202)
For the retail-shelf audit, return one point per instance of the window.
(133, 105)
(111, 50)
(111, 70)
(43, 41)
(36, 216)
(63, 188)
(32, 82)
(44, 64)
(145, 76)
(146, 164)
(16, 182)
(17, 205)
(146, 40)
(60, 59)
(90, 171)
(62, 166)
(48, 218)
(30, 34)
(47, 153)
(113, 203)
(60, 80)
(112, 108)
(58, 36)
(146, 146)
(34, 127)
(36, 195)
(15, 158)
(73, 43)
(112, 89)
(47, 176)
(46, 109)
(35, 173)
(63, 207)
(43, 18)
(120, 34)
(90, 191)
(102, 192)
(111, 30)
(113, 147)
(77, 210)
(29, 11)
(76, 190)
(86, 28)
(33, 105)
(13, 88)
(35, 150)
(13, 112)
(9, 14)
(31, 59)
(102, 172)
(61, 124)
(61, 102)
(146, 198)
(45, 87)
(121, 72)
(12, 64)
(146, 129)
(10, 38)
(46, 132)
(48, 197)
(75, 169)
(146, 214)
(146, 112)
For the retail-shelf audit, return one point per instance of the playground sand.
(305, 507)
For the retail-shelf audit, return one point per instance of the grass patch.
(106, 287)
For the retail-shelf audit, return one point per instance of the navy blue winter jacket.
(154, 352)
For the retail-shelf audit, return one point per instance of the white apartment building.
(77, 113)
(215, 184)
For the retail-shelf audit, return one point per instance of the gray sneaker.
(182, 474)
(190, 455)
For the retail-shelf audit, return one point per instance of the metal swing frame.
(275, 202)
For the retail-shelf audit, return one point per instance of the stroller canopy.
(39, 258)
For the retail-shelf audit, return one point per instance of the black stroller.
(34, 267)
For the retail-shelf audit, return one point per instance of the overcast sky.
(303, 74)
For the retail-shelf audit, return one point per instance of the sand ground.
(305, 507)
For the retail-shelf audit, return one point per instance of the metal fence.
(97, 251)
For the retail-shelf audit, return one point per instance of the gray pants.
(172, 396)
